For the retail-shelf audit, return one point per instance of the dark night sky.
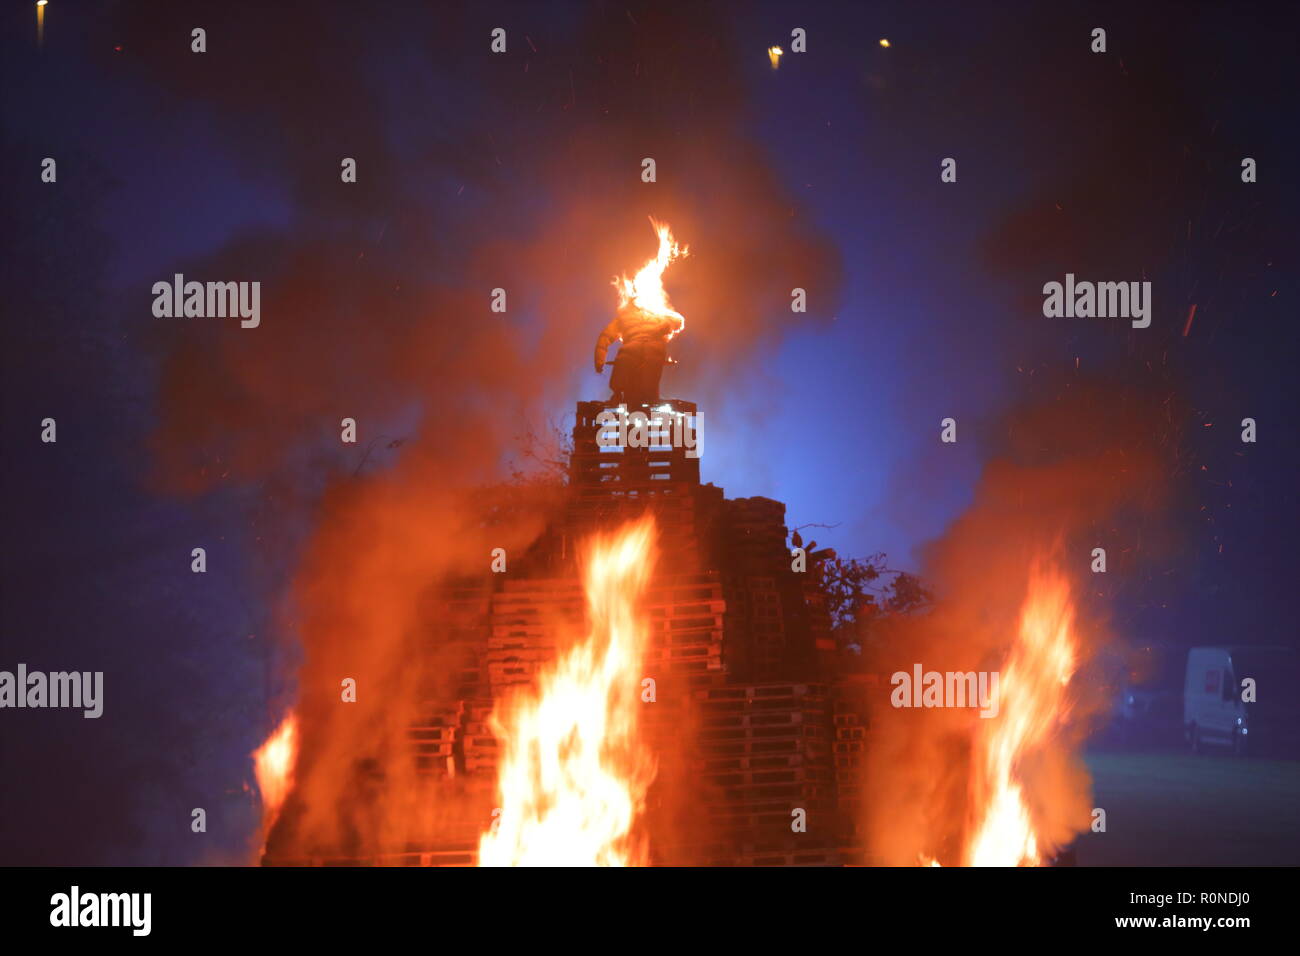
(1118, 166)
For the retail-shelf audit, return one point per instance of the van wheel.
(1198, 745)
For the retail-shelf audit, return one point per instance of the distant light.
(774, 54)
(884, 43)
(41, 3)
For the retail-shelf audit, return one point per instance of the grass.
(1171, 809)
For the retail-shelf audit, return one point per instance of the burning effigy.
(644, 324)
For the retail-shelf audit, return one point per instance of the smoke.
(476, 171)
(1109, 435)
(376, 295)
(1066, 468)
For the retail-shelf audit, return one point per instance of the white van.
(1213, 709)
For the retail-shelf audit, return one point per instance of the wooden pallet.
(750, 762)
(755, 783)
(787, 856)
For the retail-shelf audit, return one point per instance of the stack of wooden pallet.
(775, 765)
(853, 694)
(433, 737)
(463, 854)
(480, 748)
(850, 737)
(794, 850)
(686, 516)
(755, 629)
(530, 621)
(615, 465)
(756, 536)
(686, 625)
(764, 752)
(461, 618)
(533, 619)
(611, 485)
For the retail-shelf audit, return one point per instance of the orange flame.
(273, 763)
(646, 289)
(574, 775)
(1032, 703)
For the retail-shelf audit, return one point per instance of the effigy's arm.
(607, 338)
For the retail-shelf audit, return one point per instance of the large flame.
(574, 774)
(273, 762)
(646, 289)
(1032, 704)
